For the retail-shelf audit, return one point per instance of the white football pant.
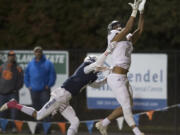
(60, 101)
(122, 91)
(70, 115)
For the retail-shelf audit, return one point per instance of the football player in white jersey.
(121, 59)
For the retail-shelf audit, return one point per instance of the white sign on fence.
(148, 78)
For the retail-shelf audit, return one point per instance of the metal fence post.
(175, 92)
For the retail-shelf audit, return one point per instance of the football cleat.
(3, 107)
(11, 104)
(102, 129)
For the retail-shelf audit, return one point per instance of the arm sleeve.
(98, 84)
(52, 76)
(93, 66)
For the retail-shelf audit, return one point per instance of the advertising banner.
(148, 78)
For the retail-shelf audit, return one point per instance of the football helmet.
(90, 58)
(114, 25)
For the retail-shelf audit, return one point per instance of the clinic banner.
(148, 79)
(60, 59)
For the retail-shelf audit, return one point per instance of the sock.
(71, 132)
(106, 122)
(27, 110)
(136, 131)
(18, 106)
(22, 108)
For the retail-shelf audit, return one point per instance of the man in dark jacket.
(11, 81)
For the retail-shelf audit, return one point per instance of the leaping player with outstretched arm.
(85, 74)
(121, 59)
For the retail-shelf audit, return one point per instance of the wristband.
(141, 12)
(134, 13)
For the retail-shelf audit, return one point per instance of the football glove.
(135, 7)
(141, 6)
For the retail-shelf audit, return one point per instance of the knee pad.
(39, 116)
(47, 109)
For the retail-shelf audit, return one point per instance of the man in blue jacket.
(39, 77)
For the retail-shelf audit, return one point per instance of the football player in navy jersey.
(84, 75)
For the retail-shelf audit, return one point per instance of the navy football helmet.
(90, 58)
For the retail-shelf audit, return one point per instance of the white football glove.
(141, 6)
(135, 7)
(111, 47)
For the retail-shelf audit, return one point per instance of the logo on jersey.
(7, 75)
(50, 103)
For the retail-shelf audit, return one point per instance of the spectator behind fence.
(11, 81)
(39, 77)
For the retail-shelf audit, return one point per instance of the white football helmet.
(114, 25)
(90, 58)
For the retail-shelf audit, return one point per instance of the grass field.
(94, 133)
(112, 130)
